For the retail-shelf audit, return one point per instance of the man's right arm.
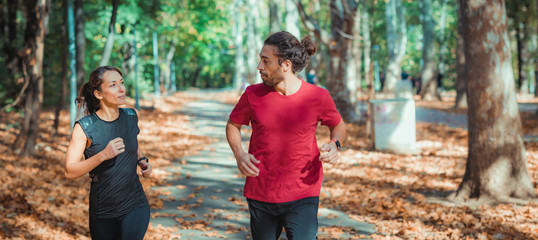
(245, 161)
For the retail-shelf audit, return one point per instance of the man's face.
(270, 70)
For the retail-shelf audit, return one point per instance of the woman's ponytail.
(86, 101)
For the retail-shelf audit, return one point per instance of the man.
(283, 165)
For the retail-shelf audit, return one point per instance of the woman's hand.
(146, 168)
(114, 148)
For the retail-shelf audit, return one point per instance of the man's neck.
(289, 86)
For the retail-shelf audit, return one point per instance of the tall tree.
(338, 43)
(37, 13)
(111, 32)
(354, 71)
(253, 41)
(238, 27)
(461, 96)
(292, 19)
(80, 40)
(274, 16)
(166, 66)
(63, 92)
(396, 42)
(496, 167)
(428, 72)
(367, 46)
(442, 40)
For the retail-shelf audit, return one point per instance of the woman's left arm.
(142, 163)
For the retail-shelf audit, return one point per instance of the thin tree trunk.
(63, 92)
(238, 29)
(396, 42)
(292, 19)
(496, 169)
(366, 40)
(80, 42)
(461, 96)
(428, 72)
(355, 59)
(274, 16)
(33, 62)
(442, 41)
(167, 62)
(110, 38)
(253, 42)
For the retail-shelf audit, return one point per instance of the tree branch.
(24, 87)
(320, 34)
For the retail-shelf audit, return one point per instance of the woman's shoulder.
(130, 111)
(86, 121)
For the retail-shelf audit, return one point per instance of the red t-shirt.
(284, 140)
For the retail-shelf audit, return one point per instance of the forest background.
(364, 49)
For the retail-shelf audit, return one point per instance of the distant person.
(440, 87)
(283, 164)
(405, 75)
(107, 138)
(382, 80)
(311, 76)
(417, 84)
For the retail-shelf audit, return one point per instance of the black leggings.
(132, 225)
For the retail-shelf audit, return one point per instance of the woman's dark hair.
(86, 94)
(289, 48)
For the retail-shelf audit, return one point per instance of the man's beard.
(274, 80)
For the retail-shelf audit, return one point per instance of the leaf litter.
(402, 195)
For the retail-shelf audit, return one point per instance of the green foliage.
(201, 32)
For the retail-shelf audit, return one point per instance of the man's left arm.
(338, 134)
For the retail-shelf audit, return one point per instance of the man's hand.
(246, 164)
(146, 168)
(331, 154)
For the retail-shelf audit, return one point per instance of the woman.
(108, 139)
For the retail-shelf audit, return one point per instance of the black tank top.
(115, 188)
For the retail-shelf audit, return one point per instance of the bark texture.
(496, 167)
(37, 12)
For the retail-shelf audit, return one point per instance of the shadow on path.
(205, 199)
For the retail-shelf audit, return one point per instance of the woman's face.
(112, 89)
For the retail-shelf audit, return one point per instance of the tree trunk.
(354, 71)
(80, 42)
(240, 73)
(166, 66)
(274, 16)
(292, 19)
(194, 81)
(12, 59)
(428, 73)
(461, 96)
(253, 42)
(442, 43)
(63, 93)
(496, 169)
(396, 42)
(366, 40)
(110, 38)
(339, 43)
(37, 12)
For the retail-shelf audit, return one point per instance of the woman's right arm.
(75, 165)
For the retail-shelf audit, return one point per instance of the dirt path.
(206, 200)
